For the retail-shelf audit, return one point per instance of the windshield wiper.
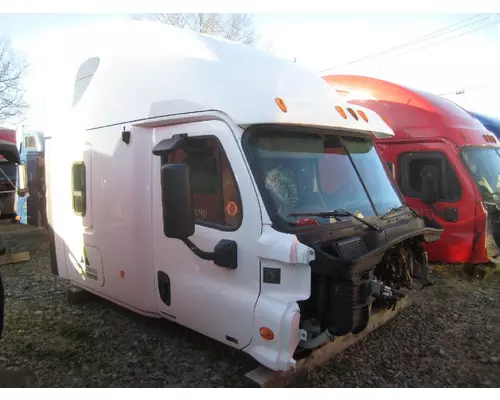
(335, 214)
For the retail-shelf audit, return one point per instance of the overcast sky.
(460, 57)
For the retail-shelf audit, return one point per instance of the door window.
(410, 175)
(216, 196)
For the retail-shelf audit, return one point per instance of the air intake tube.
(319, 340)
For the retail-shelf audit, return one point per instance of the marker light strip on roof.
(281, 104)
(341, 111)
(363, 115)
(353, 113)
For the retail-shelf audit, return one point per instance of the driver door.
(454, 208)
(213, 300)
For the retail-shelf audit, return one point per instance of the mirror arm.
(437, 210)
(224, 255)
(204, 255)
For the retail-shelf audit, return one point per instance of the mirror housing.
(429, 184)
(177, 201)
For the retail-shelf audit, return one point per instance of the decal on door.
(89, 272)
(201, 212)
(232, 209)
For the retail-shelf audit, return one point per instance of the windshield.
(484, 166)
(308, 172)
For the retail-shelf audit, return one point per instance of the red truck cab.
(446, 164)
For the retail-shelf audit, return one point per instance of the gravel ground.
(448, 338)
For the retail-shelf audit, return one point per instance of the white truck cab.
(225, 189)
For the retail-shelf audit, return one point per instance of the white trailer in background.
(195, 179)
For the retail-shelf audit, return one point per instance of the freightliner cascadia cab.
(220, 187)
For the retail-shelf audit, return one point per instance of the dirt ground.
(450, 337)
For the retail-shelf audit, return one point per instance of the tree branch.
(235, 27)
(12, 70)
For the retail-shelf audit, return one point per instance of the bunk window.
(78, 186)
(216, 196)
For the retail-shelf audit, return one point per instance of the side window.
(29, 142)
(78, 186)
(410, 178)
(215, 192)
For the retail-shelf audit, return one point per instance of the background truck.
(446, 163)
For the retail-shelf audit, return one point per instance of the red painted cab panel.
(436, 138)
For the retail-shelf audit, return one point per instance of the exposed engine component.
(396, 268)
(317, 341)
(384, 295)
(403, 264)
(343, 294)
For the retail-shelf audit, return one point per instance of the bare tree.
(12, 70)
(267, 45)
(235, 27)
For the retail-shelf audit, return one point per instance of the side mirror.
(22, 180)
(177, 207)
(429, 184)
(177, 201)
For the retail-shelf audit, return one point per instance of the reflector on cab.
(490, 138)
(363, 115)
(341, 111)
(281, 104)
(266, 333)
